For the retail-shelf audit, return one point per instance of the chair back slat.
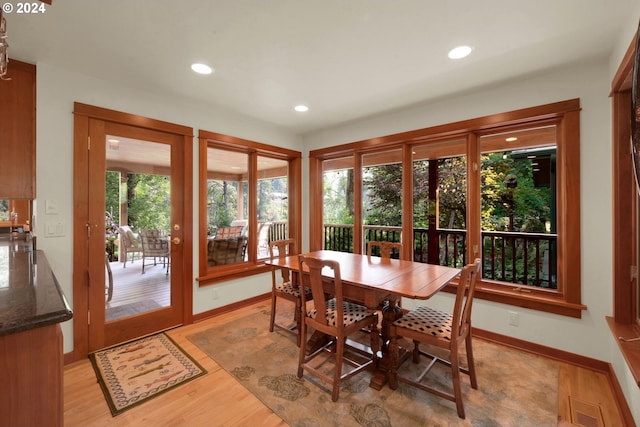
(385, 248)
(311, 276)
(464, 300)
(281, 249)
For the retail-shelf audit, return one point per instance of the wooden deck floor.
(133, 289)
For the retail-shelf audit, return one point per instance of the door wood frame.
(83, 113)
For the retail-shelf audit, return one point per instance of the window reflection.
(273, 202)
(227, 225)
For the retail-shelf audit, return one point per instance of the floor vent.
(585, 414)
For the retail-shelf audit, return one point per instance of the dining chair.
(385, 248)
(155, 245)
(425, 325)
(129, 243)
(282, 287)
(337, 319)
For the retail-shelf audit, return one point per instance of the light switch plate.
(50, 207)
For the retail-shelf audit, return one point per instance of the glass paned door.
(135, 244)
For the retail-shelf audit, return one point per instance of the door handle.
(176, 240)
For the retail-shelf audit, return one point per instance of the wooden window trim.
(567, 301)
(624, 322)
(209, 276)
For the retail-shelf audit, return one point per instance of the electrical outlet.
(514, 318)
(214, 295)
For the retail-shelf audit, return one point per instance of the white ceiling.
(345, 59)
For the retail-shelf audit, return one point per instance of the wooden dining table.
(379, 283)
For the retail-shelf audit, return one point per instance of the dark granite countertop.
(30, 296)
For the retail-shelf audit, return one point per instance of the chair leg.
(337, 373)
(303, 350)
(297, 317)
(455, 377)
(273, 312)
(471, 363)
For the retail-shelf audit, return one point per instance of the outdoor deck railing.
(519, 258)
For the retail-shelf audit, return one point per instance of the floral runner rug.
(514, 388)
(131, 373)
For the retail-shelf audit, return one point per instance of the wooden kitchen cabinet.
(18, 132)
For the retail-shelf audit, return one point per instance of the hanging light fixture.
(4, 59)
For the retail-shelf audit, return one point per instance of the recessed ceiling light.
(511, 139)
(201, 68)
(459, 52)
(301, 108)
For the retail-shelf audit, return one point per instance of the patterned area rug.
(132, 373)
(515, 388)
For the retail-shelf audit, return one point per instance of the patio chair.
(263, 237)
(155, 245)
(229, 246)
(443, 330)
(129, 243)
(337, 319)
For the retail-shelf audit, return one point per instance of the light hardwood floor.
(217, 399)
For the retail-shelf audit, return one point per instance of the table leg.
(390, 313)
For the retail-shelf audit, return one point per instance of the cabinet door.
(18, 132)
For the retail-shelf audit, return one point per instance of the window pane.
(382, 196)
(338, 203)
(440, 202)
(518, 185)
(226, 197)
(273, 207)
(4, 210)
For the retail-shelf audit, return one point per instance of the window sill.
(541, 301)
(230, 272)
(630, 350)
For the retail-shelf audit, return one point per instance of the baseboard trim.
(230, 307)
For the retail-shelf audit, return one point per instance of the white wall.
(57, 90)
